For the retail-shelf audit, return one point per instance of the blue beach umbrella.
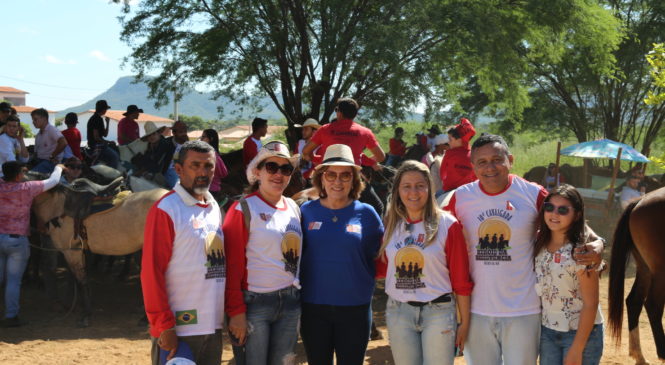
(604, 148)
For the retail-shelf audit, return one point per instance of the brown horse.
(640, 232)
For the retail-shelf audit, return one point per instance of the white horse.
(117, 231)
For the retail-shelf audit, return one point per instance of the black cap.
(102, 105)
(5, 107)
(132, 109)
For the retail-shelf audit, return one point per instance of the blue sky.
(63, 52)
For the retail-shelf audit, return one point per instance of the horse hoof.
(83, 322)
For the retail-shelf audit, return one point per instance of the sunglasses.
(272, 167)
(561, 209)
(74, 167)
(331, 176)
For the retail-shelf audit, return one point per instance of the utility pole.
(175, 101)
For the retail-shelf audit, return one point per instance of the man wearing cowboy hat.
(431, 136)
(96, 131)
(155, 160)
(128, 128)
(308, 128)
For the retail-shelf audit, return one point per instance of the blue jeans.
(393, 160)
(272, 321)
(110, 157)
(554, 346)
(171, 177)
(44, 166)
(502, 340)
(14, 254)
(422, 335)
(341, 331)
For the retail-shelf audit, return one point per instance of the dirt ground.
(51, 337)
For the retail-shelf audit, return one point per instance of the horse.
(639, 232)
(117, 231)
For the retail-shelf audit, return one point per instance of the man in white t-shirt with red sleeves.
(183, 270)
(499, 213)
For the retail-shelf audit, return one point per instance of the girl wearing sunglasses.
(262, 250)
(572, 323)
(342, 238)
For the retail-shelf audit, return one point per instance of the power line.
(42, 84)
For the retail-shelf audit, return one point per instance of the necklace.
(334, 218)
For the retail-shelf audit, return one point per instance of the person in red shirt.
(128, 128)
(345, 131)
(252, 145)
(73, 135)
(397, 148)
(456, 169)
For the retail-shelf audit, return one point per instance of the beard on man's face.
(201, 185)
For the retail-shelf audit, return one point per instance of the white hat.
(338, 155)
(150, 128)
(310, 122)
(270, 149)
(441, 139)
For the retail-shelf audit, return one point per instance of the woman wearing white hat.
(308, 129)
(262, 248)
(341, 239)
(155, 160)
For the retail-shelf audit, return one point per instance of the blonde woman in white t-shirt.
(572, 323)
(427, 262)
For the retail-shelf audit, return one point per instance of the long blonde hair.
(396, 213)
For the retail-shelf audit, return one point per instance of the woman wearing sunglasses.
(572, 323)
(262, 249)
(427, 261)
(341, 239)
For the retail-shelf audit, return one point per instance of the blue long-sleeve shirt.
(337, 265)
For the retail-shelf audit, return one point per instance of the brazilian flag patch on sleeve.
(183, 318)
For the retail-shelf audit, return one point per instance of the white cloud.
(100, 55)
(56, 61)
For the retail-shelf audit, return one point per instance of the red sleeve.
(458, 260)
(542, 194)
(318, 139)
(381, 265)
(236, 236)
(451, 205)
(393, 146)
(158, 237)
(248, 150)
(371, 141)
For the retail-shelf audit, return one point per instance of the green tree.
(390, 55)
(656, 59)
(590, 96)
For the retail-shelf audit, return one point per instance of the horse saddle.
(82, 193)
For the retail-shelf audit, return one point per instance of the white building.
(116, 116)
(12, 95)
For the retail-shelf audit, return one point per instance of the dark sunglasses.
(562, 209)
(331, 176)
(74, 167)
(272, 167)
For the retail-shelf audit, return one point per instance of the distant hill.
(124, 92)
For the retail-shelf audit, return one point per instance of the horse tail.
(621, 246)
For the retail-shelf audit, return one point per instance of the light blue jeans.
(14, 254)
(272, 321)
(422, 335)
(503, 340)
(554, 346)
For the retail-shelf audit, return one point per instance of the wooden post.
(615, 171)
(556, 167)
(585, 173)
